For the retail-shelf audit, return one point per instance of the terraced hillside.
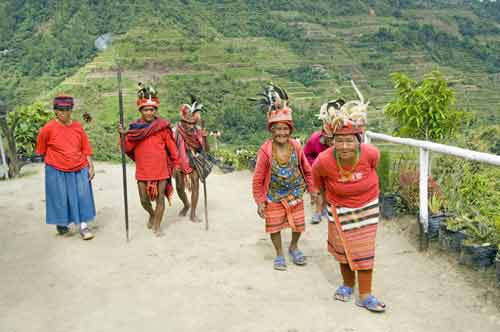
(223, 51)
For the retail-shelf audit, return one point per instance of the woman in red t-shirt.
(346, 173)
(68, 170)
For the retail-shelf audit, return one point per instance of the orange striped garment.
(351, 234)
(283, 215)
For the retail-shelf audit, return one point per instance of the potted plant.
(453, 233)
(498, 266)
(389, 199)
(437, 215)
(479, 250)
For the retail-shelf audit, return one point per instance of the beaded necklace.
(346, 175)
(285, 160)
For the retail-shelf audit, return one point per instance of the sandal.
(371, 303)
(316, 218)
(280, 263)
(61, 230)
(343, 293)
(298, 257)
(86, 234)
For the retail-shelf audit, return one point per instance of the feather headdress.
(272, 98)
(147, 96)
(190, 112)
(274, 101)
(344, 117)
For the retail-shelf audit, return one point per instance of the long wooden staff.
(122, 142)
(204, 181)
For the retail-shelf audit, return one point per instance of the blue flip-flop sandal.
(371, 303)
(280, 263)
(298, 257)
(343, 293)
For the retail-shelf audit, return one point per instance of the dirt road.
(221, 280)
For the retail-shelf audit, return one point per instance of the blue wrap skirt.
(68, 197)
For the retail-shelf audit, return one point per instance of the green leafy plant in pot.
(479, 249)
(437, 214)
(453, 233)
(389, 198)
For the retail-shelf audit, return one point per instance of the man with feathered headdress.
(192, 145)
(150, 143)
(282, 175)
(346, 174)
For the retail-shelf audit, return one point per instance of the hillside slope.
(223, 51)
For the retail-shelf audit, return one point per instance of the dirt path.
(221, 280)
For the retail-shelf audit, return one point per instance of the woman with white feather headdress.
(318, 142)
(346, 175)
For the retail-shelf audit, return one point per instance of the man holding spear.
(150, 143)
(192, 145)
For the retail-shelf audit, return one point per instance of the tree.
(425, 110)
(8, 130)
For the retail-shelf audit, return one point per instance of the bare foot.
(150, 222)
(184, 211)
(195, 219)
(159, 234)
(156, 229)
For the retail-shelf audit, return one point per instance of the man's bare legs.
(195, 190)
(156, 215)
(180, 186)
(145, 201)
(160, 207)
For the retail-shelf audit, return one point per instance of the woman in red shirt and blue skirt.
(68, 170)
(346, 173)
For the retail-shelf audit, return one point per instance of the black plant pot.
(227, 168)
(36, 159)
(498, 269)
(251, 163)
(388, 205)
(435, 222)
(451, 240)
(478, 256)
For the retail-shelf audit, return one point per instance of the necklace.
(282, 161)
(346, 175)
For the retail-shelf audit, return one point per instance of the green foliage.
(306, 75)
(480, 190)
(384, 172)
(425, 110)
(479, 229)
(30, 120)
(239, 158)
(446, 49)
(436, 204)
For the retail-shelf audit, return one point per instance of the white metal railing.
(425, 147)
(4, 168)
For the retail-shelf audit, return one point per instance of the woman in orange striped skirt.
(346, 173)
(281, 177)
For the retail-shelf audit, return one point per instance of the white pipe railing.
(4, 165)
(425, 147)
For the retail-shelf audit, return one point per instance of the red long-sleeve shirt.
(150, 155)
(64, 147)
(363, 189)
